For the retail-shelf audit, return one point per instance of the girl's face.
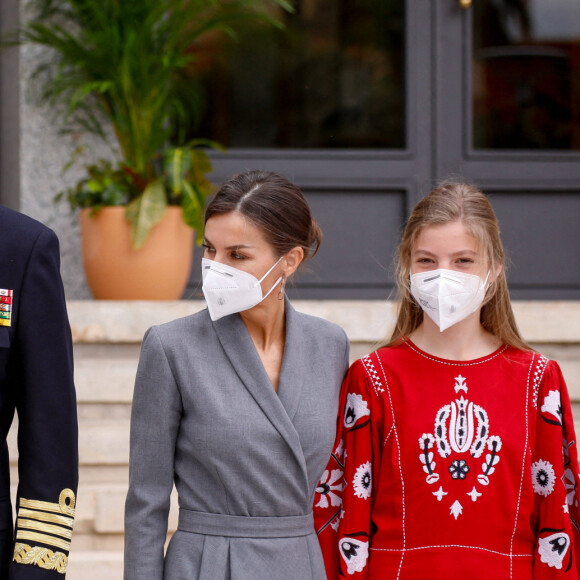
(449, 246)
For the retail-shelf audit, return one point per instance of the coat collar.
(294, 363)
(279, 408)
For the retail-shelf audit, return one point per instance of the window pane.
(526, 74)
(333, 77)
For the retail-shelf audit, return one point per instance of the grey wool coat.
(245, 460)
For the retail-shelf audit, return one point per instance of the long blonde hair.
(454, 201)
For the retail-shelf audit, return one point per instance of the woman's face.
(233, 240)
(449, 246)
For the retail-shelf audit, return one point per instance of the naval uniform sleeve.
(343, 502)
(555, 482)
(155, 418)
(41, 379)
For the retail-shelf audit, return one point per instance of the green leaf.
(200, 142)
(200, 166)
(192, 205)
(193, 202)
(145, 211)
(177, 163)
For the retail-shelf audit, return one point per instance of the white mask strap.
(275, 283)
(266, 274)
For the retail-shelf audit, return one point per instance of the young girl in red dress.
(456, 456)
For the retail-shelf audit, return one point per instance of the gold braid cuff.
(41, 557)
(47, 523)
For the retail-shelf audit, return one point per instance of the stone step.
(105, 373)
(109, 511)
(110, 321)
(110, 379)
(101, 442)
(95, 565)
(104, 429)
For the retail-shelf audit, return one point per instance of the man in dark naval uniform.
(36, 380)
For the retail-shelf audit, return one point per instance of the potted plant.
(122, 70)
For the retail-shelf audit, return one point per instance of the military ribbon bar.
(5, 307)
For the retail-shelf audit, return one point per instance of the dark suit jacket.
(36, 380)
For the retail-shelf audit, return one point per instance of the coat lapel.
(240, 350)
(294, 365)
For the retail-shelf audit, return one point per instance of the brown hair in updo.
(273, 204)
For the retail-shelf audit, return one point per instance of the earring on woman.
(282, 287)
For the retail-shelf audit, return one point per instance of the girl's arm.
(344, 497)
(555, 482)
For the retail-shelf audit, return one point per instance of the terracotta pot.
(115, 271)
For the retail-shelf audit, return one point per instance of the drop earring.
(282, 287)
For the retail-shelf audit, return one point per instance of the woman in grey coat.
(236, 405)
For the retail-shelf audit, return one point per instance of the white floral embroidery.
(460, 384)
(553, 406)
(330, 482)
(474, 494)
(356, 408)
(339, 451)
(461, 425)
(494, 445)
(543, 477)
(456, 509)
(355, 553)
(426, 457)
(553, 549)
(570, 484)
(482, 431)
(441, 431)
(362, 481)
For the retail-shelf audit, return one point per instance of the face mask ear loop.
(266, 274)
(275, 283)
(271, 289)
(485, 284)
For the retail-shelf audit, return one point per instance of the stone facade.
(107, 337)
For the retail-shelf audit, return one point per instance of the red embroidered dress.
(451, 469)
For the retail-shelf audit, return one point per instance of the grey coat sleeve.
(346, 362)
(155, 419)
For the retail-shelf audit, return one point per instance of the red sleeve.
(343, 502)
(554, 479)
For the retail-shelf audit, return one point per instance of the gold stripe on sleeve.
(35, 504)
(43, 539)
(42, 527)
(45, 517)
(60, 508)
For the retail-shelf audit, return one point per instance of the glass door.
(339, 102)
(525, 78)
(507, 87)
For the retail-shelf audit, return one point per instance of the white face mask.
(228, 290)
(446, 296)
